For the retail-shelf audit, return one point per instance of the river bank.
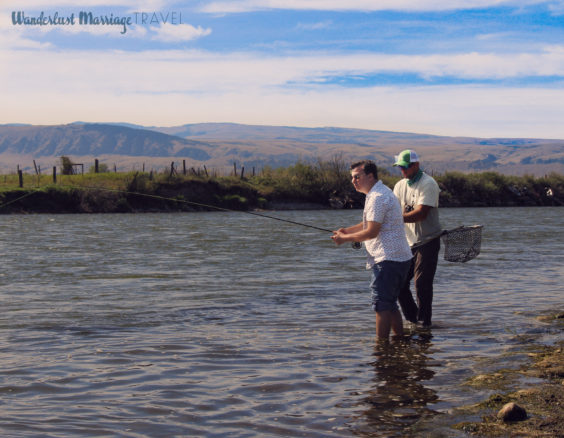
(137, 194)
(537, 387)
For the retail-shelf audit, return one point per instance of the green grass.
(302, 182)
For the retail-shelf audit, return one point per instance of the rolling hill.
(219, 145)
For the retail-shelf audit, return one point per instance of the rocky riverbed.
(537, 387)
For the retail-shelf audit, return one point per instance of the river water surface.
(227, 324)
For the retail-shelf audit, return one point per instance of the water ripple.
(224, 324)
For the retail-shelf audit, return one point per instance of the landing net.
(463, 243)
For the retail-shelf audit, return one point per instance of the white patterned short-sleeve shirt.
(382, 206)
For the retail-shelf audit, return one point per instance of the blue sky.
(466, 68)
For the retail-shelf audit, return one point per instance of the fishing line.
(17, 199)
(199, 204)
(355, 245)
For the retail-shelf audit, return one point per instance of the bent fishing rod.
(355, 245)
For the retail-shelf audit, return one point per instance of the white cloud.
(138, 5)
(174, 87)
(17, 41)
(238, 6)
(42, 84)
(550, 62)
(19, 38)
(179, 32)
(250, 5)
(203, 72)
(457, 111)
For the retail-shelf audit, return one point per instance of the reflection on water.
(226, 324)
(397, 397)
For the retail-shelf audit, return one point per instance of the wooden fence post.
(184, 167)
(54, 174)
(37, 172)
(96, 166)
(20, 177)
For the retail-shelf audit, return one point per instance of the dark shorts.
(387, 280)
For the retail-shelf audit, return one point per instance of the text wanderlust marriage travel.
(89, 19)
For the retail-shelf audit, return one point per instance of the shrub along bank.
(323, 184)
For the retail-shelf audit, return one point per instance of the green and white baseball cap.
(405, 158)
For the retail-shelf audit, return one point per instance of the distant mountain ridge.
(222, 144)
(96, 139)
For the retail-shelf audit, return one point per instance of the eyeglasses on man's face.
(357, 176)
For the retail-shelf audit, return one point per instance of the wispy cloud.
(459, 73)
(180, 32)
(240, 6)
(549, 62)
(176, 86)
(204, 72)
(315, 26)
(136, 5)
(18, 40)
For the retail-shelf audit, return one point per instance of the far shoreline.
(301, 187)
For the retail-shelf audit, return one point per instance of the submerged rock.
(512, 412)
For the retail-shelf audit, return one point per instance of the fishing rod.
(355, 245)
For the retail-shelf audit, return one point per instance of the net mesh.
(462, 243)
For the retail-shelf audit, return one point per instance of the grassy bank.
(325, 184)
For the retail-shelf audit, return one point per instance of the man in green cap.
(418, 194)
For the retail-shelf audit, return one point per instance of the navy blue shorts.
(387, 279)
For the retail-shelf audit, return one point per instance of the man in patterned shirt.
(388, 253)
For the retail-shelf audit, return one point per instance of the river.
(228, 324)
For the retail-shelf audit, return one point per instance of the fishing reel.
(356, 245)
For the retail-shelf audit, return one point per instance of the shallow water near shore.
(227, 324)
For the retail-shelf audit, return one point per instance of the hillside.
(96, 139)
(219, 145)
(467, 154)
